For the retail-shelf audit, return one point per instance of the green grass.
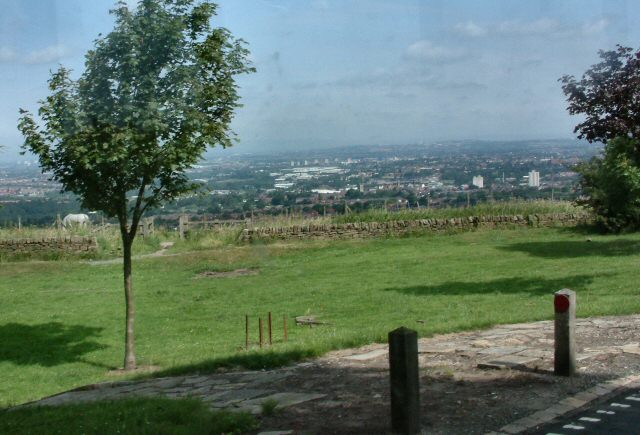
(152, 416)
(62, 322)
(508, 208)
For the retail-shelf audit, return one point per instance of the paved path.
(241, 391)
(355, 381)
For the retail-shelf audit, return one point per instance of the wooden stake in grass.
(284, 323)
(261, 330)
(270, 334)
(246, 340)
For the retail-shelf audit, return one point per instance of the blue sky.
(341, 72)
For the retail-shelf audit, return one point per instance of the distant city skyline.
(334, 73)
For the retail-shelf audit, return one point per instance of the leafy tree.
(608, 97)
(353, 194)
(612, 185)
(156, 92)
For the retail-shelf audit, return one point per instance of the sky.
(356, 72)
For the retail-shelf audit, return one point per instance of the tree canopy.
(155, 93)
(608, 96)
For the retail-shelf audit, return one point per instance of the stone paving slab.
(508, 361)
(369, 355)
(501, 350)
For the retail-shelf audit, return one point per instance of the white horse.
(79, 220)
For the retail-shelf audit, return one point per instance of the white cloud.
(274, 5)
(49, 54)
(542, 26)
(470, 29)
(320, 4)
(6, 54)
(539, 27)
(427, 50)
(596, 26)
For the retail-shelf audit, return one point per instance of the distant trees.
(608, 97)
(156, 92)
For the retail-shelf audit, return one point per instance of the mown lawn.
(61, 323)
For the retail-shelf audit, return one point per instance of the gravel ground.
(457, 397)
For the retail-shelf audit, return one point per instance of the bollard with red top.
(564, 358)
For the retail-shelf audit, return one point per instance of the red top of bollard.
(561, 303)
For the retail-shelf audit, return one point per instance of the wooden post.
(564, 357)
(246, 332)
(58, 222)
(143, 227)
(19, 223)
(405, 382)
(183, 224)
(261, 330)
(284, 323)
(270, 331)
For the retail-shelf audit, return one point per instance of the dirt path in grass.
(164, 247)
(495, 380)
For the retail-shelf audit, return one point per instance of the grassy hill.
(62, 322)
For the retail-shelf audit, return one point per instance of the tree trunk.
(130, 346)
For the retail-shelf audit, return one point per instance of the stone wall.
(396, 228)
(53, 245)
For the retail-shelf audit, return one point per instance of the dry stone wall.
(52, 245)
(397, 228)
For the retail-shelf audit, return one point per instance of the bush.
(611, 184)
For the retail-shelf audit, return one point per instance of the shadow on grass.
(250, 360)
(531, 286)
(148, 415)
(575, 248)
(47, 344)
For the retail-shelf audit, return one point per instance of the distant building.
(325, 191)
(534, 179)
(478, 181)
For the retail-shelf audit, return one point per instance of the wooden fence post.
(284, 323)
(246, 326)
(261, 331)
(183, 225)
